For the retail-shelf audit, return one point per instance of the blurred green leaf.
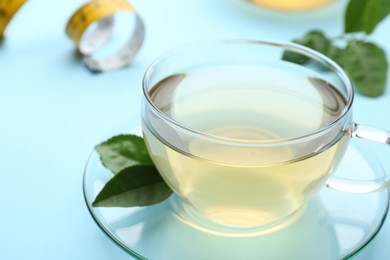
(367, 66)
(317, 41)
(376, 11)
(354, 16)
(294, 57)
(365, 15)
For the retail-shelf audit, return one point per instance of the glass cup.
(246, 132)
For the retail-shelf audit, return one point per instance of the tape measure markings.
(96, 38)
(124, 55)
(92, 12)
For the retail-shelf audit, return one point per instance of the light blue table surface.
(53, 111)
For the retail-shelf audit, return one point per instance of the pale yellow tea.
(238, 174)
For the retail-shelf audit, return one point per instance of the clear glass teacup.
(245, 137)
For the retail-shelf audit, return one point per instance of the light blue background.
(53, 111)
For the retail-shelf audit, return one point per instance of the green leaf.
(317, 41)
(138, 185)
(376, 11)
(294, 57)
(354, 16)
(334, 53)
(365, 15)
(366, 64)
(122, 151)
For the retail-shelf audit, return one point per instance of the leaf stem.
(348, 37)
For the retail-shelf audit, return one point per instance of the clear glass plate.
(334, 225)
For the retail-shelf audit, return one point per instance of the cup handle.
(356, 186)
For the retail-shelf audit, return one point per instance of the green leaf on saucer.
(138, 185)
(367, 65)
(122, 151)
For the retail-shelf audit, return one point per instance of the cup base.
(191, 217)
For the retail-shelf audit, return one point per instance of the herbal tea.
(243, 179)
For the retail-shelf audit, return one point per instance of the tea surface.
(232, 183)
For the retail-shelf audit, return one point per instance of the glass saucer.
(334, 225)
